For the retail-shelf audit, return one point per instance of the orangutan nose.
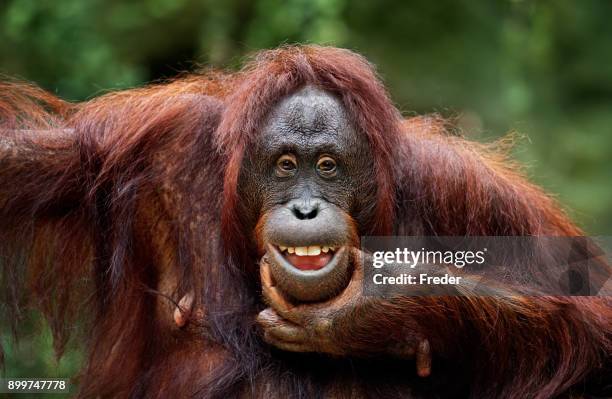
(305, 210)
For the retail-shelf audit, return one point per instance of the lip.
(304, 285)
(280, 260)
(317, 261)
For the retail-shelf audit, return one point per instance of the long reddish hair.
(80, 205)
(276, 73)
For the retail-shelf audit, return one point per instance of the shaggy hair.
(112, 209)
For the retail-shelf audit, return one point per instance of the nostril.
(305, 213)
(312, 214)
(297, 213)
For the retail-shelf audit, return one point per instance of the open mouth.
(310, 273)
(313, 257)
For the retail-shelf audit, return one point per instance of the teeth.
(314, 251)
(301, 251)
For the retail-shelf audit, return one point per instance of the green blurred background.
(541, 68)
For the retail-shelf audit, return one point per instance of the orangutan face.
(310, 176)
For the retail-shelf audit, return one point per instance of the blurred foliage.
(542, 68)
(33, 356)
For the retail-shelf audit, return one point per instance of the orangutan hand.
(309, 327)
(304, 327)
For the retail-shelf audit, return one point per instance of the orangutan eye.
(286, 165)
(326, 166)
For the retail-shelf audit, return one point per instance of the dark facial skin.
(291, 198)
(308, 178)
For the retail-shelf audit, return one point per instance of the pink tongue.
(309, 262)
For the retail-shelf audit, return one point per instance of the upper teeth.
(312, 250)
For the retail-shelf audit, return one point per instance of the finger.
(322, 326)
(266, 275)
(285, 345)
(358, 260)
(354, 289)
(423, 359)
(277, 300)
(272, 294)
(279, 328)
(183, 311)
(288, 333)
(268, 318)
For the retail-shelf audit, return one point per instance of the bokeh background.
(539, 68)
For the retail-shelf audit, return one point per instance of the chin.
(310, 273)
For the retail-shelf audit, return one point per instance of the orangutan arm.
(452, 188)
